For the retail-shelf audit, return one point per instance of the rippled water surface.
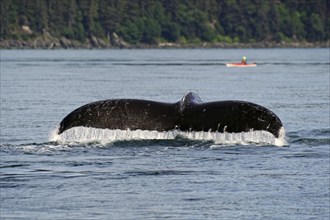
(174, 178)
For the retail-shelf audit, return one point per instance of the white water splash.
(105, 136)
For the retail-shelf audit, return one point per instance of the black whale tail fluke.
(229, 116)
(189, 114)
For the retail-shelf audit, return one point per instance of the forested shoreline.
(163, 23)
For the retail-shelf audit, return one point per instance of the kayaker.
(243, 60)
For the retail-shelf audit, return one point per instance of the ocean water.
(103, 174)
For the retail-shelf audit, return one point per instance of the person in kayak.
(244, 61)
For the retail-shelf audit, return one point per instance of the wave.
(315, 137)
(78, 135)
(150, 62)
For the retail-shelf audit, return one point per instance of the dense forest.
(166, 21)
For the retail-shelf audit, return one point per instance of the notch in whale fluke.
(189, 114)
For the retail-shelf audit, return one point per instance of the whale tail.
(189, 114)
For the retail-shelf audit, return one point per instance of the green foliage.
(170, 31)
(79, 32)
(151, 31)
(317, 28)
(151, 21)
(132, 31)
(68, 33)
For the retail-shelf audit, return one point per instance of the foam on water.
(105, 136)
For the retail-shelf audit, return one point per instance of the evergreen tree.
(151, 21)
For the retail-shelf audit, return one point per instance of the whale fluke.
(189, 114)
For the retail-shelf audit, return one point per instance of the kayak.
(241, 65)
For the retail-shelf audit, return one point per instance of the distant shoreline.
(97, 44)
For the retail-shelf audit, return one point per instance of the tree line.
(154, 21)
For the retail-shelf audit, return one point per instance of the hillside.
(149, 23)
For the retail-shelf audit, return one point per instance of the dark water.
(176, 178)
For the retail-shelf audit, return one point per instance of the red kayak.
(241, 65)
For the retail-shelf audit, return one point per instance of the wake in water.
(105, 136)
